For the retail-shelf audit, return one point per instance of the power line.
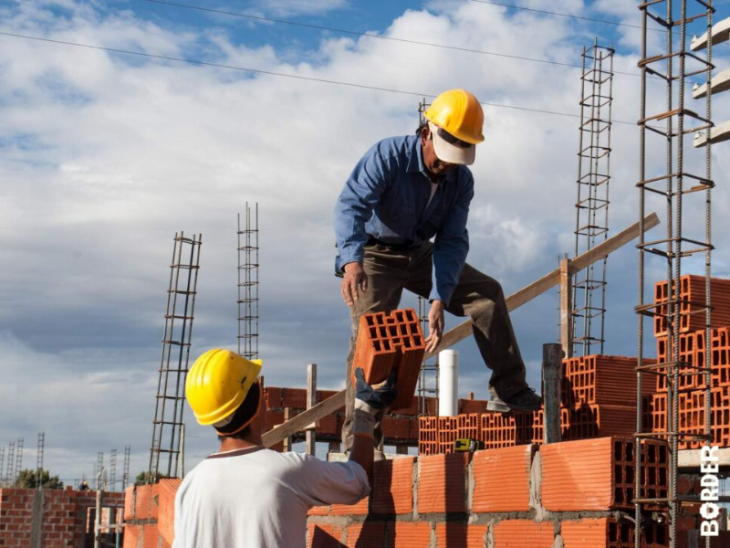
(371, 35)
(568, 15)
(280, 74)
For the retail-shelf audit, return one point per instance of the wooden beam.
(566, 308)
(464, 330)
(311, 435)
(552, 374)
(550, 280)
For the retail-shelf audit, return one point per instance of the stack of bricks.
(57, 518)
(572, 494)
(388, 342)
(149, 514)
(598, 400)
(692, 353)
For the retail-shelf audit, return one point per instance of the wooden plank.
(287, 439)
(550, 280)
(566, 308)
(322, 409)
(462, 331)
(311, 435)
(552, 372)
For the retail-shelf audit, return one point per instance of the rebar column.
(39, 460)
(170, 399)
(248, 284)
(668, 71)
(594, 176)
(113, 470)
(18, 459)
(125, 473)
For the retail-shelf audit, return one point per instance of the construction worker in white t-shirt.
(248, 496)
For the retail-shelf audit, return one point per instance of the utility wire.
(280, 74)
(371, 35)
(568, 15)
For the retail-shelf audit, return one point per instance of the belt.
(390, 246)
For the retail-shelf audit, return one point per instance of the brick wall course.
(502, 479)
(522, 533)
(392, 487)
(442, 483)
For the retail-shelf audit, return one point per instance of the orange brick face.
(522, 533)
(411, 535)
(578, 475)
(442, 483)
(502, 479)
(392, 491)
(460, 535)
(370, 534)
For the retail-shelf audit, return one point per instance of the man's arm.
(370, 178)
(450, 249)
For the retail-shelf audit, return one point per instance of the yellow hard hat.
(218, 383)
(458, 113)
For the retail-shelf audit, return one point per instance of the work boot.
(525, 400)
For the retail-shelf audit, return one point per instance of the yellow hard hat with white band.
(217, 385)
(456, 120)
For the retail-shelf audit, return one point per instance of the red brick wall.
(67, 517)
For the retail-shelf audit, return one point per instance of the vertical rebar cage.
(248, 284)
(668, 175)
(125, 472)
(170, 399)
(39, 460)
(594, 176)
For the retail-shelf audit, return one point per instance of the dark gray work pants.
(477, 295)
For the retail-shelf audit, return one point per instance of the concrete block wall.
(149, 514)
(52, 518)
(570, 494)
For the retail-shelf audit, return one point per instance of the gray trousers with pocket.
(477, 295)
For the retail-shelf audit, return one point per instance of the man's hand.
(435, 326)
(378, 396)
(353, 281)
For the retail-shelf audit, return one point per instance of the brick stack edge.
(64, 518)
(149, 514)
(693, 350)
(391, 341)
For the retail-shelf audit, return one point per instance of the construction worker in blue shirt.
(401, 194)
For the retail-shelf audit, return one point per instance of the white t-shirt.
(258, 498)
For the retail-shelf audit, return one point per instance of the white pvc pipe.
(448, 383)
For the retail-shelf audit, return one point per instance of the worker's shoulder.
(395, 148)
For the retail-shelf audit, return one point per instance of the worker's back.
(257, 497)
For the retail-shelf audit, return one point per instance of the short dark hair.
(245, 412)
(422, 125)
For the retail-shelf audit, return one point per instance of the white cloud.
(104, 157)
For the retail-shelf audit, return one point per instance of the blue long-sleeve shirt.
(385, 197)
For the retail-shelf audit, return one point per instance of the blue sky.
(105, 156)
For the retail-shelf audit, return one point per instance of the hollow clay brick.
(599, 379)
(522, 533)
(369, 534)
(442, 483)
(411, 535)
(692, 295)
(166, 513)
(460, 535)
(392, 490)
(357, 509)
(502, 479)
